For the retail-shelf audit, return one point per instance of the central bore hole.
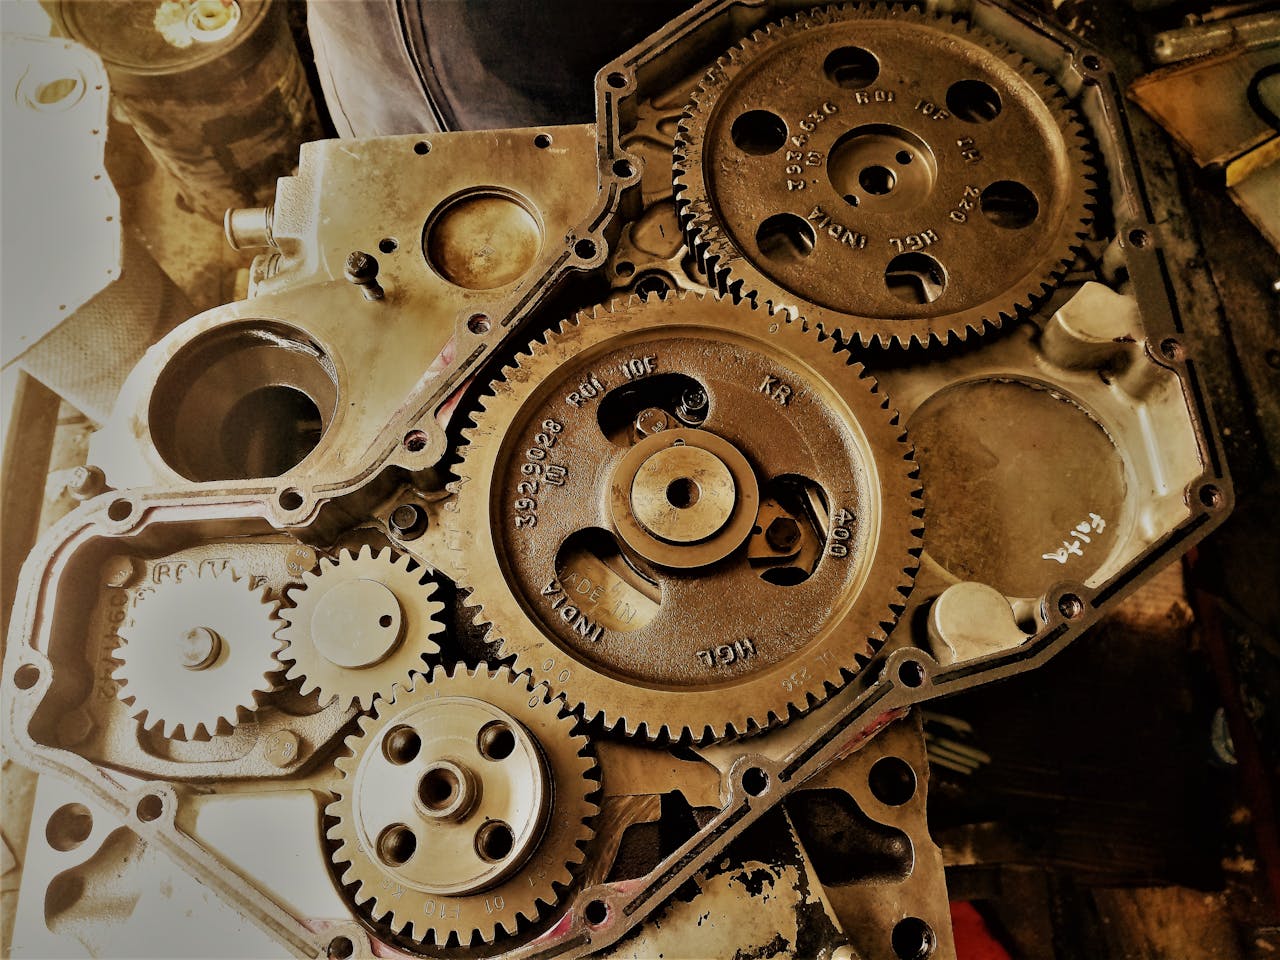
(683, 493)
(877, 180)
(437, 788)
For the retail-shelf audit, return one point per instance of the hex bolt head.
(652, 421)
(783, 534)
(283, 748)
(362, 270)
(693, 405)
(86, 482)
(408, 521)
(300, 559)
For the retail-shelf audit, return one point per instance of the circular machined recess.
(1025, 487)
(906, 133)
(714, 509)
(357, 623)
(245, 401)
(482, 240)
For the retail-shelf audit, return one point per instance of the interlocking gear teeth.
(355, 661)
(389, 894)
(197, 656)
(868, 315)
(631, 705)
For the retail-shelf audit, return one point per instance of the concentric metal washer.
(198, 654)
(888, 175)
(609, 535)
(462, 807)
(359, 625)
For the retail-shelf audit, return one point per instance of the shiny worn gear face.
(462, 806)
(680, 626)
(887, 175)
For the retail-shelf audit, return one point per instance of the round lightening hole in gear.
(785, 238)
(915, 278)
(851, 67)
(974, 101)
(396, 845)
(1009, 204)
(759, 132)
(494, 841)
(496, 741)
(402, 745)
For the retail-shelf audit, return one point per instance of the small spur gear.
(358, 625)
(462, 807)
(197, 655)
(890, 176)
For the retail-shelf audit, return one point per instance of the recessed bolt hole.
(1171, 349)
(877, 180)
(494, 841)
(912, 939)
(1071, 606)
(892, 781)
(26, 676)
(437, 788)
(1210, 495)
(596, 912)
(415, 441)
(903, 157)
(624, 268)
(388, 244)
(340, 948)
(1009, 204)
(915, 278)
(478, 324)
(683, 493)
(1139, 238)
(652, 285)
(785, 238)
(69, 826)
(149, 808)
(542, 141)
(385, 620)
(755, 781)
(496, 741)
(973, 101)
(585, 249)
(851, 67)
(401, 745)
(850, 199)
(911, 673)
(290, 499)
(1091, 62)
(758, 132)
(396, 845)
(422, 148)
(616, 80)
(624, 168)
(120, 510)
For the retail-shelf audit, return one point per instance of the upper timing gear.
(886, 174)
(462, 806)
(359, 625)
(690, 520)
(196, 653)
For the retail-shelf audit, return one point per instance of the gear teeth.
(720, 260)
(562, 847)
(485, 436)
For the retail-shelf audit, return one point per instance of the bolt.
(693, 405)
(299, 560)
(408, 521)
(121, 571)
(282, 748)
(651, 421)
(362, 270)
(783, 534)
(199, 648)
(86, 482)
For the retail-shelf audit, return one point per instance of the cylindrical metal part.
(214, 88)
(247, 227)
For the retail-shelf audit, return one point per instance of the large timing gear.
(359, 625)
(692, 521)
(463, 806)
(888, 175)
(197, 655)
